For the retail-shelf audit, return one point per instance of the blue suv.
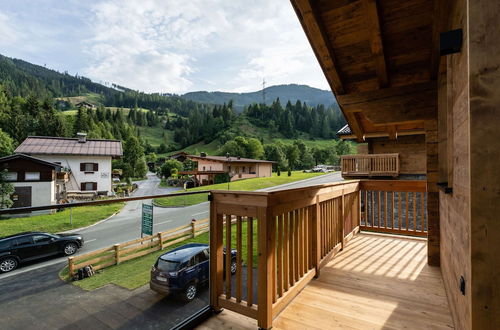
(182, 270)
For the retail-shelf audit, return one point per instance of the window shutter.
(82, 186)
(82, 167)
(94, 185)
(96, 167)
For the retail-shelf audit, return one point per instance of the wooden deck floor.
(377, 282)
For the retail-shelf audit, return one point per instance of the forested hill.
(22, 78)
(293, 92)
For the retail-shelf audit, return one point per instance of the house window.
(32, 176)
(88, 186)
(203, 168)
(89, 167)
(11, 176)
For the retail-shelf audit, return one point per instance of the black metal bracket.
(450, 42)
(444, 186)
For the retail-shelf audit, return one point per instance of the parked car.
(19, 248)
(183, 270)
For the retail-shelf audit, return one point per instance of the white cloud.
(7, 31)
(159, 45)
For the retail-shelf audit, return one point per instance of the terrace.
(314, 267)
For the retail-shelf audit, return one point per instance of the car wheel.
(8, 264)
(190, 292)
(70, 248)
(233, 267)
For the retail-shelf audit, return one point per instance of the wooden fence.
(397, 207)
(370, 165)
(298, 232)
(117, 253)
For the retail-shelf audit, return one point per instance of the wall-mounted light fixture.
(450, 42)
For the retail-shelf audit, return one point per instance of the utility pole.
(264, 90)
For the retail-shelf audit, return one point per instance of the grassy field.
(137, 270)
(246, 185)
(60, 221)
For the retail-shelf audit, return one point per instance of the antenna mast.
(263, 90)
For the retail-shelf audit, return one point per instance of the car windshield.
(167, 265)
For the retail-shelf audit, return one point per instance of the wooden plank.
(315, 32)
(216, 255)
(228, 255)
(250, 261)
(395, 231)
(414, 211)
(238, 307)
(407, 219)
(292, 293)
(94, 253)
(286, 243)
(400, 213)
(376, 43)
(393, 207)
(94, 261)
(239, 257)
(422, 211)
(139, 254)
(266, 246)
(394, 185)
(316, 236)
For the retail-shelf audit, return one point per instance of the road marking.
(91, 240)
(199, 213)
(161, 223)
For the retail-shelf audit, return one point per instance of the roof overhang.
(381, 59)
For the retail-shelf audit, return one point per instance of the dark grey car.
(28, 246)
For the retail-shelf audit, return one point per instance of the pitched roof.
(47, 145)
(231, 159)
(346, 130)
(33, 159)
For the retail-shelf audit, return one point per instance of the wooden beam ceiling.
(376, 44)
(318, 38)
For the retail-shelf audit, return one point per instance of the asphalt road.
(126, 225)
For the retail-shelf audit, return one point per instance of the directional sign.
(147, 219)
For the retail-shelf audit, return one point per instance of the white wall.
(102, 176)
(42, 193)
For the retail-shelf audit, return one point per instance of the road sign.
(147, 219)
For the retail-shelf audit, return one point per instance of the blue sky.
(163, 45)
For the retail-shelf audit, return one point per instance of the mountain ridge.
(286, 92)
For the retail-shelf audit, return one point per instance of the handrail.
(99, 202)
(370, 165)
(297, 231)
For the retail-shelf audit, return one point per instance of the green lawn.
(246, 185)
(59, 221)
(137, 270)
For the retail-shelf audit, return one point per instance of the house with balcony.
(417, 79)
(35, 180)
(86, 163)
(236, 167)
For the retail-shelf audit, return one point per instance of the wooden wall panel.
(455, 208)
(411, 150)
(484, 122)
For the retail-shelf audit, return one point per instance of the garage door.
(21, 197)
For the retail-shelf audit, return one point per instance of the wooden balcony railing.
(289, 236)
(394, 206)
(368, 165)
(284, 238)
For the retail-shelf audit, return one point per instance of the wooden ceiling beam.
(318, 38)
(391, 129)
(355, 126)
(376, 44)
(362, 97)
(442, 10)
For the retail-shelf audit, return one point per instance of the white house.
(34, 180)
(87, 161)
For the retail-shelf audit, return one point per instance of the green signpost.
(147, 219)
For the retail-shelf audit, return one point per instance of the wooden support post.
(71, 266)
(216, 255)
(160, 241)
(193, 228)
(266, 271)
(341, 229)
(117, 253)
(316, 236)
